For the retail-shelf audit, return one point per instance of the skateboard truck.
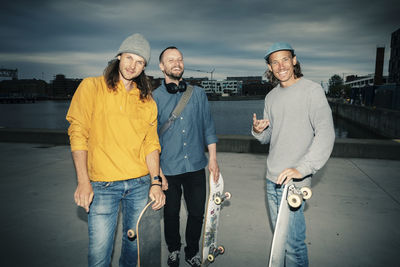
(218, 200)
(295, 196)
(214, 252)
(131, 234)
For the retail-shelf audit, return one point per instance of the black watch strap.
(157, 178)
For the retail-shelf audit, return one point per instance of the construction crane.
(204, 71)
(211, 72)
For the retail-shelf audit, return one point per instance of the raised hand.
(259, 125)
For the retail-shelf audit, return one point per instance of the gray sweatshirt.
(301, 132)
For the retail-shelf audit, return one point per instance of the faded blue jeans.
(296, 248)
(102, 219)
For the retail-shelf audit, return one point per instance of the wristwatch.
(156, 179)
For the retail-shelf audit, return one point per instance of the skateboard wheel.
(210, 258)
(306, 191)
(294, 200)
(228, 195)
(131, 233)
(221, 249)
(217, 200)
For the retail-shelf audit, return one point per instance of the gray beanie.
(136, 44)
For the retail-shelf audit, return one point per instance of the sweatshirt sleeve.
(79, 115)
(324, 134)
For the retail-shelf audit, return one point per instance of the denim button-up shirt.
(183, 144)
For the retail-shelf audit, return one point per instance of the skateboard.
(148, 236)
(210, 249)
(291, 197)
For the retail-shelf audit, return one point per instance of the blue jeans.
(102, 219)
(296, 248)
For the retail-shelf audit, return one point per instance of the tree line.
(337, 88)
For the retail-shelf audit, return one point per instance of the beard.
(174, 76)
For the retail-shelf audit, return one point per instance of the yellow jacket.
(116, 128)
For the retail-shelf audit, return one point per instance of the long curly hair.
(274, 81)
(111, 75)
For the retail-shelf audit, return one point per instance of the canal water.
(230, 117)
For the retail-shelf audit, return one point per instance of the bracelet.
(155, 184)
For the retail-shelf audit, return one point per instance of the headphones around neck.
(172, 88)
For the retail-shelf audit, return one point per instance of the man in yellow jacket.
(115, 149)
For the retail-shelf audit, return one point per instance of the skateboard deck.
(210, 249)
(291, 197)
(277, 255)
(148, 236)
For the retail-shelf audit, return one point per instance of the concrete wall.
(381, 121)
(40, 136)
(344, 148)
(347, 148)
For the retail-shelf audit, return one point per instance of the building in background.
(253, 85)
(380, 58)
(224, 88)
(394, 62)
(63, 87)
(376, 89)
(355, 81)
(28, 89)
(9, 73)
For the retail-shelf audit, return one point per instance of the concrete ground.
(352, 218)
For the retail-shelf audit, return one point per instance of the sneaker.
(194, 262)
(173, 258)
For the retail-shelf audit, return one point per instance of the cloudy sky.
(77, 38)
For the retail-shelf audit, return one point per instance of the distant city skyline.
(77, 38)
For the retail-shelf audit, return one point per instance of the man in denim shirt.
(183, 160)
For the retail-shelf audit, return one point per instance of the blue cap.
(278, 47)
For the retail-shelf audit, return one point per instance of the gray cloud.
(77, 38)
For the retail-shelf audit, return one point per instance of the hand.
(84, 195)
(288, 174)
(259, 125)
(164, 181)
(157, 194)
(214, 169)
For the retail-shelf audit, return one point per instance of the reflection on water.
(42, 114)
(230, 117)
(236, 117)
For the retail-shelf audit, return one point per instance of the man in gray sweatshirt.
(299, 127)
